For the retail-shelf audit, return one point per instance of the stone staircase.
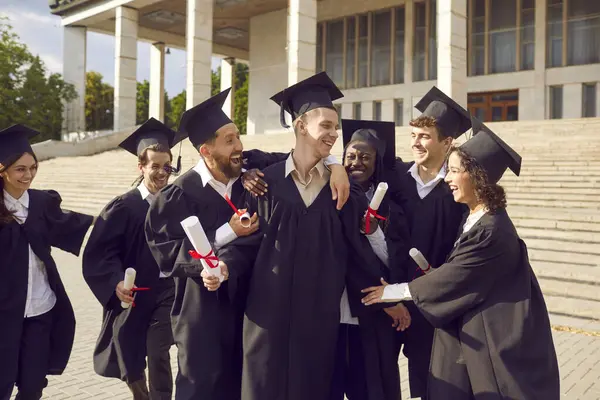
(555, 203)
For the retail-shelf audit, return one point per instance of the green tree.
(240, 106)
(99, 103)
(142, 102)
(215, 81)
(175, 110)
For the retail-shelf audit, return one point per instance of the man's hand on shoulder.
(340, 185)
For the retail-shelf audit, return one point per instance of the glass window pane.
(381, 45)
(363, 50)
(554, 32)
(478, 8)
(319, 67)
(528, 56)
(512, 113)
(350, 51)
(399, 47)
(398, 112)
(497, 113)
(334, 61)
(526, 4)
(356, 111)
(506, 96)
(432, 40)
(583, 46)
(503, 14)
(419, 37)
(503, 36)
(480, 114)
(589, 100)
(376, 111)
(556, 102)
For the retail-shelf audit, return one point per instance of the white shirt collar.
(414, 171)
(202, 169)
(144, 191)
(473, 218)
(23, 200)
(290, 166)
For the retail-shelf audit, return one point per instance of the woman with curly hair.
(493, 338)
(36, 318)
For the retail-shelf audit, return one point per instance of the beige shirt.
(318, 177)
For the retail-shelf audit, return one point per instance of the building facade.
(504, 59)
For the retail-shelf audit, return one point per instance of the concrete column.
(538, 110)
(597, 99)
(572, 100)
(301, 39)
(452, 49)
(387, 110)
(74, 51)
(228, 81)
(409, 11)
(347, 110)
(157, 81)
(126, 33)
(366, 110)
(199, 31)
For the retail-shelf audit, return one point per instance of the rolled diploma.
(195, 233)
(420, 260)
(128, 282)
(245, 220)
(378, 196)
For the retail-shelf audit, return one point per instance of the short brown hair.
(428, 122)
(143, 157)
(490, 194)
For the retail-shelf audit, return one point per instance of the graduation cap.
(201, 122)
(150, 133)
(314, 92)
(15, 140)
(451, 119)
(380, 135)
(491, 152)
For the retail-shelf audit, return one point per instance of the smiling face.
(360, 162)
(224, 152)
(429, 150)
(155, 169)
(17, 177)
(319, 129)
(459, 181)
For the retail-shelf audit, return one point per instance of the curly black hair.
(490, 194)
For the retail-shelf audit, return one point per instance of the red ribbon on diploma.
(235, 209)
(422, 271)
(137, 289)
(210, 258)
(371, 212)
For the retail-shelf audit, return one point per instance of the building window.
(494, 106)
(504, 42)
(356, 111)
(381, 48)
(573, 32)
(399, 45)
(398, 112)
(589, 100)
(351, 52)
(376, 111)
(334, 57)
(556, 102)
(425, 44)
(363, 50)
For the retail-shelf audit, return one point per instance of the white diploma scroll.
(195, 233)
(378, 196)
(245, 220)
(128, 283)
(420, 260)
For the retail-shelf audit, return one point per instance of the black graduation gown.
(206, 325)
(493, 338)
(293, 305)
(46, 226)
(116, 243)
(378, 337)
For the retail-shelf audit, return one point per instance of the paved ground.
(578, 352)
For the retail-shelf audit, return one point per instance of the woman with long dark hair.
(36, 318)
(493, 338)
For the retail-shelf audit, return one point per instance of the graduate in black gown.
(36, 318)
(207, 324)
(493, 338)
(118, 242)
(293, 306)
(367, 358)
(433, 216)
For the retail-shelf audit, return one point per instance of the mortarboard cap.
(451, 119)
(201, 122)
(491, 152)
(379, 134)
(15, 140)
(314, 92)
(148, 134)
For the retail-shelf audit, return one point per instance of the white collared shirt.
(425, 188)
(40, 297)
(473, 218)
(318, 177)
(225, 233)
(149, 197)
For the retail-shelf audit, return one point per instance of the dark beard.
(226, 168)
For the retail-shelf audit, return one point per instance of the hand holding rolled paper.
(202, 248)
(420, 260)
(128, 283)
(244, 216)
(374, 206)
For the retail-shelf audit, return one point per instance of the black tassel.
(282, 116)
(177, 170)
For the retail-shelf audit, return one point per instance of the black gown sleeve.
(166, 238)
(464, 281)
(261, 160)
(67, 228)
(103, 255)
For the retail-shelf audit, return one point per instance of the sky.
(42, 33)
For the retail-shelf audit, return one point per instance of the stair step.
(555, 234)
(562, 226)
(574, 272)
(592, 199)
(588, 249)
(544, 255)
(593, 207)
(570, 289)
(573, 307)
(541, 191)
